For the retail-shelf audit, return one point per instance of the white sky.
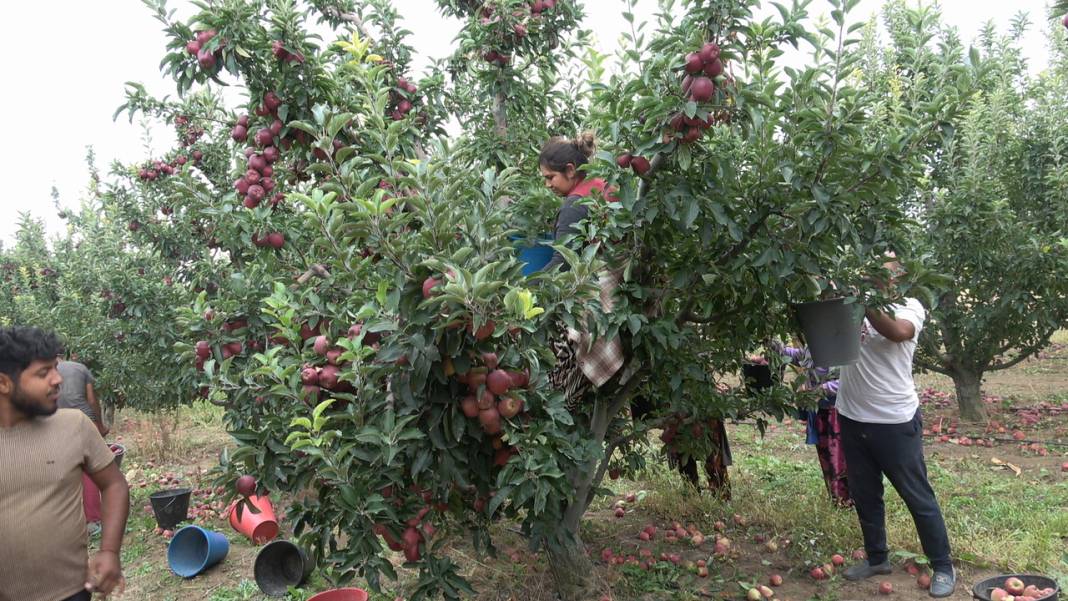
(67, 61)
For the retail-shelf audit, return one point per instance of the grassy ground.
(999, 520)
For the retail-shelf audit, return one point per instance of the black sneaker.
(944, 583)
(862, 570)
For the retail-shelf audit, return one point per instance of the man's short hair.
(22, 345)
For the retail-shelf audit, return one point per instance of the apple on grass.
(885, 588)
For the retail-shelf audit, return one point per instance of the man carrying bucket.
(882, 434)
(43, 451)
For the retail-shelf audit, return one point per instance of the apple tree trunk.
(969, 396)
(572, 570)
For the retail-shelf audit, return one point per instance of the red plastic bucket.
(259, 527)
(341, 594)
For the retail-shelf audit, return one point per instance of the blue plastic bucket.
(537, 256)
(194, 549)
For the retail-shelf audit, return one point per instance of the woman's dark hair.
(21, 345)
(558, 152)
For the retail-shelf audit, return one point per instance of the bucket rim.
(170, 492)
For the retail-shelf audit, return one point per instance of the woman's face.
(560, 182)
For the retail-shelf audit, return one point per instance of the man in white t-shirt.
(882, 434)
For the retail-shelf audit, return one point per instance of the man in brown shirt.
(43, 451)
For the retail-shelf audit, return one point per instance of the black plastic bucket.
(170, 506)
(831, 329)
(757, 377)
(280, 565)
(981, 590)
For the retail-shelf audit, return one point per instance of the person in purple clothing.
(823, 428)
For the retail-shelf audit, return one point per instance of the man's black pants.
(82, 596)
(896, 450)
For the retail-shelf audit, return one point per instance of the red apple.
(714, 68)
(775, 580)
(328, 376)
(709, 52)
(817, 573)
(837, 560)
(469, 406)
(239, 133)
(923, 581)
(620, 512)
(498, 381)
(333, 356)
(309, 375)
(519, 378)
(885, 588)
(490, 361)
(623, 160)
(640, 165)
(485, 331)
(486, 400)
(428, 285)
(1014, 586)
(509, 407)
(694, 64)
(321, 345)
(490, 420)
(245, 485)
(203, 349)
(702, 89)
(205, 59)
(276, 240)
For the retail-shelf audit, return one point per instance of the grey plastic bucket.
(831, 329)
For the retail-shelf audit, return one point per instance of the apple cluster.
(417, 529)
(207, 60)
(258, 180)
(702, 69)
(157, 169)
(400, 99)
(280, 52)
(487, 16)
(1014, 589)
(203, 348)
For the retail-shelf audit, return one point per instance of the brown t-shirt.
(43, 538)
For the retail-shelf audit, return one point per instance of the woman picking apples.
(561, 163)
(587, 362)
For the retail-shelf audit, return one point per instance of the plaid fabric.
(600, 360)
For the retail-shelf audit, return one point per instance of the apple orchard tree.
(992, 210)
(113, 304)
(355, 301)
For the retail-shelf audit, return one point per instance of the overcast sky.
(66, 62)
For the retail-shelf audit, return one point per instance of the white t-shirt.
(878, 388)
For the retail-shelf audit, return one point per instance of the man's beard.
(27, 407)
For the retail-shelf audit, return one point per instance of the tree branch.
(930, 366)
(353, 18)
(741, 245)
(1023, 354)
